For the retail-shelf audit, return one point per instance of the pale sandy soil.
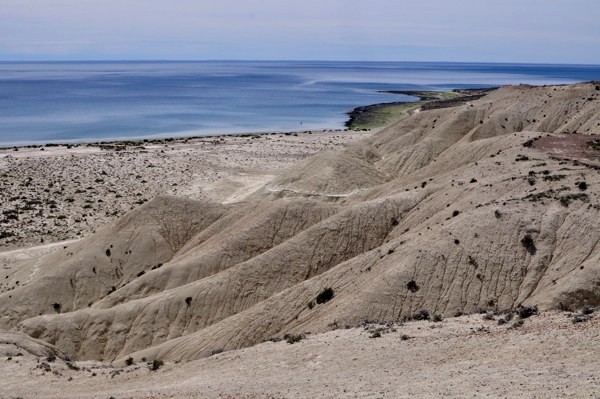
(468, 356)
(61, 193)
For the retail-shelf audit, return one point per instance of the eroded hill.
(490, 204)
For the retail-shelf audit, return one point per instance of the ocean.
(46, 102)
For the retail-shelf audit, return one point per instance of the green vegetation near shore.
(378, 115)
(427, 95)
(384, 114)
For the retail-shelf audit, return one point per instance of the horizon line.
(292, 60)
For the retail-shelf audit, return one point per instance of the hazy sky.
(544, 31)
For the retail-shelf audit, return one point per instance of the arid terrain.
(450, 254)
(61, 192)
(468, 356)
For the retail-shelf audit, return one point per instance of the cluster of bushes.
(293, 338)
(585, 314)
(565, 200)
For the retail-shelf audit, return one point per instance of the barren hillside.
(491, 204)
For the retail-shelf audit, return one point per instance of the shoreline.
(463, 264)
(382, 114)
(159, 139)
(354, 122)
(58, 191)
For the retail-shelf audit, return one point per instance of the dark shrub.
(188, 300)
(587, 309)
(325, 296)
(528, 243)
(582, 186)
(412, 286)
(528, 143)
(56, 307)
(422, 315)
(293, 338)
(581, 318)
(129, 361)
(455, 214)
(108, 252)
(156, 364)
(527, 311)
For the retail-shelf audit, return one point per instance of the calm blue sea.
(82, 101)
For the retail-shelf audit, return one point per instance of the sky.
(530, 31)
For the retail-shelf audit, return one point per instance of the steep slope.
(509, 245)
(104, 334)
(86, 271)
(240, 235)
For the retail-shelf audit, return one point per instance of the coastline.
(333, 283)
(62, 191)
(361, 118)
(156, 139)
(382, 114)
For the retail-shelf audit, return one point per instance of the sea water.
(87, 101)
